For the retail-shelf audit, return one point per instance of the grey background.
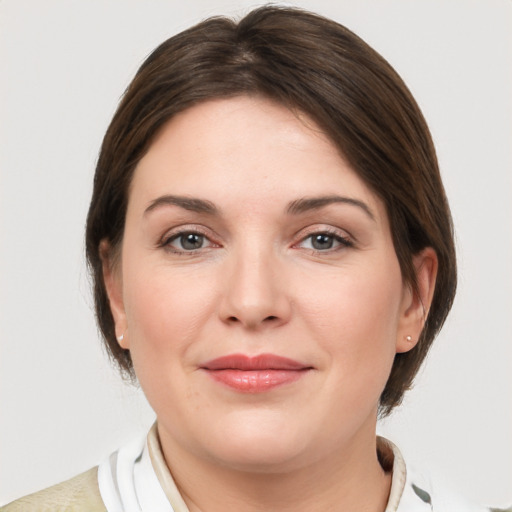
(64, 65)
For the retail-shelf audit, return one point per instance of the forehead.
(244, 149)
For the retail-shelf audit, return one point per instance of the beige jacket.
(80, 494)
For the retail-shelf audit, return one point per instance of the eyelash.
(165, 243)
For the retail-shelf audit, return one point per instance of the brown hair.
(309, 64)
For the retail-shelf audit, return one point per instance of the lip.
(254, 374)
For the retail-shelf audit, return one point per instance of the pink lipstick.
(254, 374)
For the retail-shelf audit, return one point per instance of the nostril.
(251, 321)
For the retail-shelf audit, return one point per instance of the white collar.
(128, 481)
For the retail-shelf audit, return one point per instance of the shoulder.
(79, 494)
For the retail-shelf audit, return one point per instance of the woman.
(272, 256)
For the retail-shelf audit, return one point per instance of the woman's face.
(258, 289)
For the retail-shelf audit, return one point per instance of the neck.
(350, 479)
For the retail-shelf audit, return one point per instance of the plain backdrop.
(63, 67)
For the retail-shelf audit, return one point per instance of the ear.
(112, 277)
(416, 304)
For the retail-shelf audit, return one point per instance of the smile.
(254, 374)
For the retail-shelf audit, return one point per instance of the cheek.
(356, 320)
(164, 312)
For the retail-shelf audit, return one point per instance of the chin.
(259, 456)
(258, 445)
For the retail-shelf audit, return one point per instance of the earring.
(408, 339)
(120, 338)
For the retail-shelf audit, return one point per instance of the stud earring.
(408, 339)
(120, 338)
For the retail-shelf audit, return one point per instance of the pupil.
(191, 241)
(322, 241)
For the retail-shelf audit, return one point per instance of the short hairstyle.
(309, 64)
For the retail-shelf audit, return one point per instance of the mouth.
(255, 374)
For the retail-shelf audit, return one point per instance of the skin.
(258, 284)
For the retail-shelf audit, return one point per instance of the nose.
(255, 294)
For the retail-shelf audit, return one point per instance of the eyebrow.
(296, 207)
(187, 203)
(315, 203)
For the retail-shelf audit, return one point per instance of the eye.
(187, 242)
(324, 242)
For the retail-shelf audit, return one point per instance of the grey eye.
(187, 242)
(325, 242)
(190, 241)
(322, 241)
